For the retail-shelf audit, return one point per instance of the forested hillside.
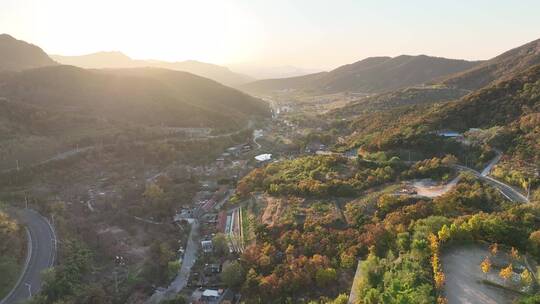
(499, 68)
(371, 75)
(145, 96)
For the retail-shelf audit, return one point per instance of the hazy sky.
(305, 33)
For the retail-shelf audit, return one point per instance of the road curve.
(508, 191)
(42, 255)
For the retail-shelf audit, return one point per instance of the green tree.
(153, 192)
(341, 299)
(220, 244)
(233, 274)
(325, 277)
(347, 260)
(179, 299)
(172, 269)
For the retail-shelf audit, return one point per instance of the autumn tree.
(153, 192)
(449, 160)
(506, 272)
(442, 300)
(485, 266)
(534, 242)
(526, 277)
(494, 249)
(444, 234)
(514, 254)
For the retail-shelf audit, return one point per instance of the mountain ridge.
(370, 75)
(117, 59)
(145, 95)
(19, 55)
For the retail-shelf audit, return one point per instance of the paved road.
(492, 163)
(508, 191)
(256, 135)
(181, 280)
(42, 255)
(353, 296)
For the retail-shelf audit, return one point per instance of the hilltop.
(498, 68)
(17, 55)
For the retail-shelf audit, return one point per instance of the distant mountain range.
(272, 72)
(371, 75)
(102, 60)
(17, 55)
(454, 86)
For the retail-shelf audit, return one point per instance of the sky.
(320, 34)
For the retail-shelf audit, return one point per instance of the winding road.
(41, 255)
(508, 191)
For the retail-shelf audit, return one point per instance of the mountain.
(99, 60)
(499, 68)
(371, 75)
(17, 55)
(119, 60)
(147, 96)
(501, 103)
(271, 72)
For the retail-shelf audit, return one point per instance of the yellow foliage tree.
(439, 279)
(442, 300)
(485, 265)
(526, 277)
(444, 234)
(433, 243)
(506, 272)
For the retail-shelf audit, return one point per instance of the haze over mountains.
(371, 75)
(272, 72)
(145, 96)
(119, 60)
(46, 107)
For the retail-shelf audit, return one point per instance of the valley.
(408, 179)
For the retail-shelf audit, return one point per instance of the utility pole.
(17, 161)
(26, 200)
